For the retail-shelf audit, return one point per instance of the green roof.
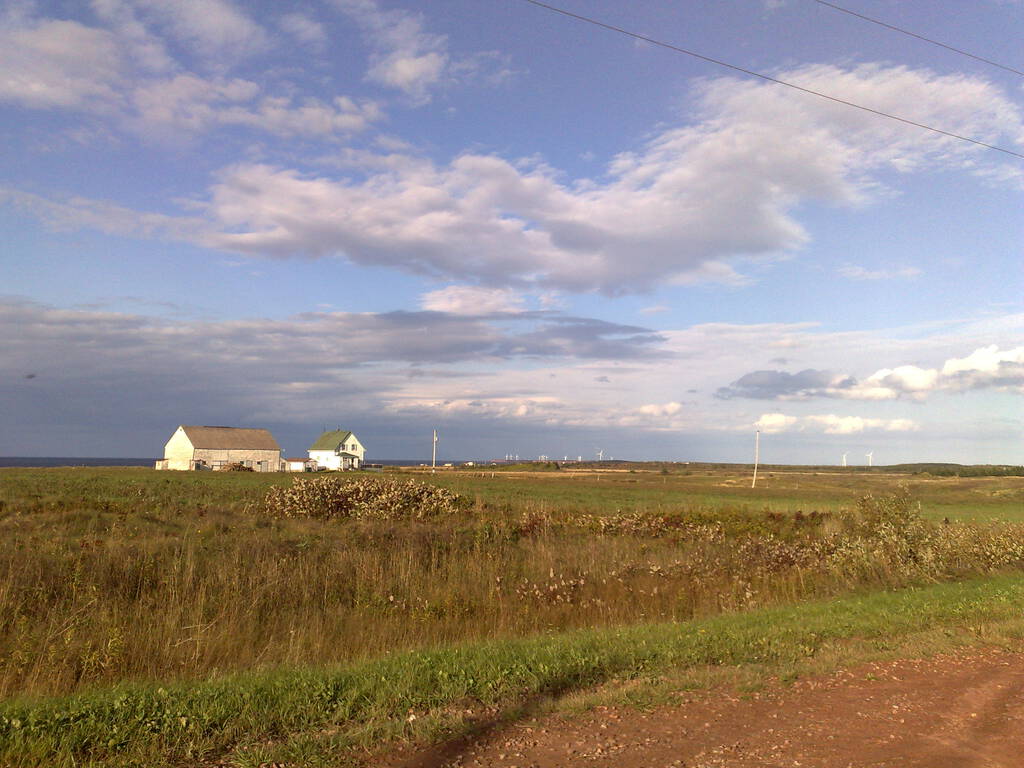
(329, 441)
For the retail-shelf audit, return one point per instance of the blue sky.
(533, 234)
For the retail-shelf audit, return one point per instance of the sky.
(533, 234)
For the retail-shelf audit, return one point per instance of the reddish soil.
(963, 710)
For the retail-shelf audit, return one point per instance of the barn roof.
(329, 441)
(231, 438)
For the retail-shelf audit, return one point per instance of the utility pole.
(433, 454)
(757, 455)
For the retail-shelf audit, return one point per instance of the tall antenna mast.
(433, 454)
(757, 455)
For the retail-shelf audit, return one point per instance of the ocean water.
(72, 461)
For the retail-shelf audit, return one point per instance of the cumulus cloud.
(124, 72)
(409, 58)
(848, 425)
(472, 300)
(304, 28)
(193, 104)
(690, 205)
(49, 64)
(775, 422)
(660, 409)
(218, 30)
(779, 385)
(831, 424)
(988, 367)
(853, 272)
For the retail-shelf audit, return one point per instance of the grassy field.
(119, 583)
(784, 490)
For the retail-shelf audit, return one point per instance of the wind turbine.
(844, 459)
(600, 454)
(869, 454)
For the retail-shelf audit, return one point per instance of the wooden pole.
(757, 452)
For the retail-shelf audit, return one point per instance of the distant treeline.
(960, 470)
(687, 467)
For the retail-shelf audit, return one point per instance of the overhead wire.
(919, 37)
(769, 78)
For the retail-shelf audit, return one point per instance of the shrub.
(365, 497)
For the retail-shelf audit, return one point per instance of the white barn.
(194, 447)
(337, 449)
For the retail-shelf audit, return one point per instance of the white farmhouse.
(337, 449)
(216, 447)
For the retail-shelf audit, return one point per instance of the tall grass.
(316, 716)
(165, 579)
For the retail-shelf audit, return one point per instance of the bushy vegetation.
(378, 498)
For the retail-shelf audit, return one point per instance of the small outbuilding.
(195, 447)
(299, 464)
(337, 449)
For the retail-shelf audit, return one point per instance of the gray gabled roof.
(230, 438)
(329, 441)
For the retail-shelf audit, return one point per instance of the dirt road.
(962, 710)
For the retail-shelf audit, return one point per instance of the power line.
(752, 73)
(920, 37)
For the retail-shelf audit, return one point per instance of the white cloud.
(143, 47)
(406, 56)
(218, 30)
(849, 425)
(692, 204)
(47, 64)
(191, 104)
(472, 300)
(304, 29)
(654, 309)
(831, 424)
(660, 409)
(854, 272)
(59, 64)
(410, 59)
(987, 360)
(986, 367)
(775, 422)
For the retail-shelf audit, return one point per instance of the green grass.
(781, 490)
(323, 713)
(790, 489)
